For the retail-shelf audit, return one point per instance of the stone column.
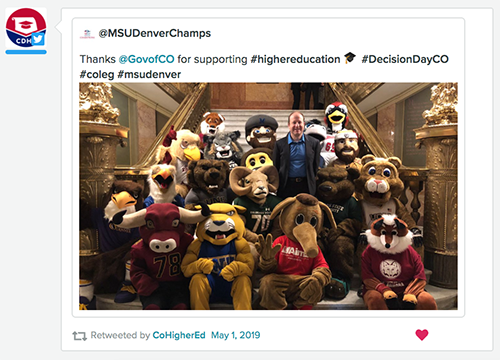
(439, 136)
(100, 133)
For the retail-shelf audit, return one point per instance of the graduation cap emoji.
(349, 57)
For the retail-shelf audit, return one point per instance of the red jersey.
(292, 259)
(148, 268)
(394, 270)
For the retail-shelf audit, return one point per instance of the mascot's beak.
(163, 179)
(306, 236)
(123, 200)
(336, 117)
(192, 153)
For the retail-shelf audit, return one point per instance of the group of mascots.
(212, 228)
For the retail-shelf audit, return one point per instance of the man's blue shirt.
(297, 157)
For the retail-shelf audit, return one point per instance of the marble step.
(446, 299)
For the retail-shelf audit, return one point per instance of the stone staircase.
(236, 119)
(446, 299)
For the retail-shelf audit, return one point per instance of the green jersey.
(258, 216)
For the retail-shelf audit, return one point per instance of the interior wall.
(252, 96)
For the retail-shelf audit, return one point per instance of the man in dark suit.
(296, 156)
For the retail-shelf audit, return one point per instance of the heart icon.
(421, 334)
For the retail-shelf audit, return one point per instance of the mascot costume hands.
(219, 261)
(156, 258)
(392, 272)
(296, 269)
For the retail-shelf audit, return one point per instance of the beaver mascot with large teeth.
(296, 270)
(378, 188)
(219, 261)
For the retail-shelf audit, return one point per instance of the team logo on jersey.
(26, 28)
(391, 269)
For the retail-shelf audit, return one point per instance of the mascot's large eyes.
(205, 167)
(299, 219)
(372, 171)
(184, 144)
(175, 223)
(252, 162)
(262, 159)
(247, 181)
(257, 131)
(231, 213)
(386, 172)
(313, 221)
(150, 224)
(267, 130)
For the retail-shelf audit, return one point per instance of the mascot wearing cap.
(156, 259)
(219, 261)
(336, 117)
(178, 149)
(296, 269)
(260, 131)
(392, 271)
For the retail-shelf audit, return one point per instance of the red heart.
(421, 334)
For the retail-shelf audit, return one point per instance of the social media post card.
(179, 114)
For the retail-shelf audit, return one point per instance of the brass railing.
(187, 116)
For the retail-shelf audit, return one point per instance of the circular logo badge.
(391, 269)
(22, 23)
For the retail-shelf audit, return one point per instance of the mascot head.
(255, 185)
(389, 235)
(210, 176)
(346, 146)
(257, 157)
(260, 131)
(124, 195)
(161, 225)
(336, 117)
(223, 225)
(379, 179)
(335, 183)
(301, 219)
(187, 146)
(212, 123)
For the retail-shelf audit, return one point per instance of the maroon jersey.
(149, 268)
(394, 270)
(292, 260)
